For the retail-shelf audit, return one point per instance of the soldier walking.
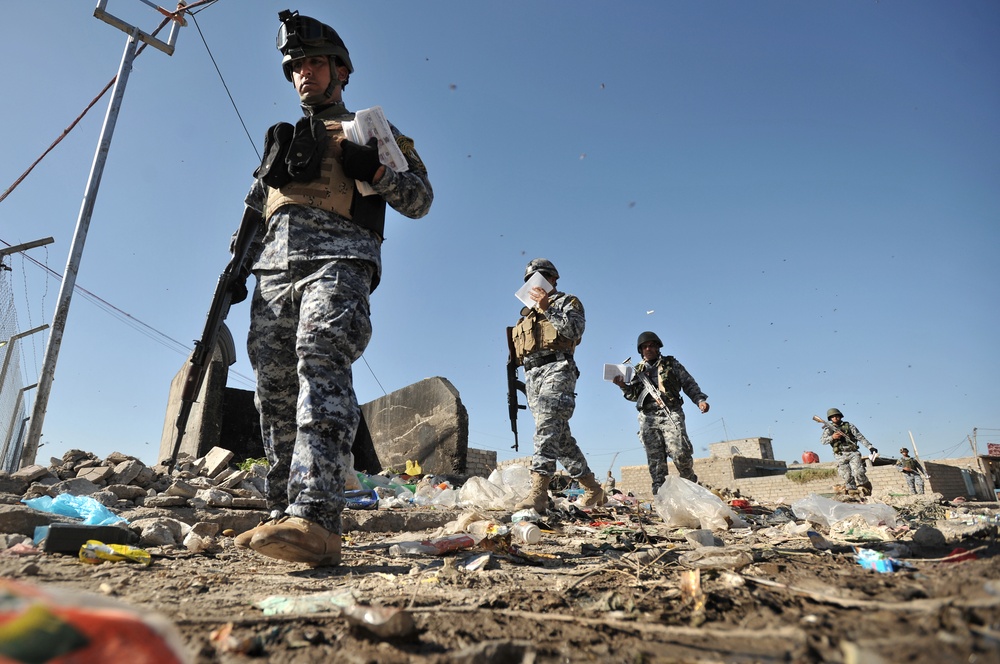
(912, 471)
(662, 429)
(317, 258)
(544, 339)
(845, 439)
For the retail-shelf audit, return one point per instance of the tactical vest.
(845, 444)
(908, 463)
(667, 381)
(535, 334)
(331, 191)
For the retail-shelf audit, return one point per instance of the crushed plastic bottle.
(526, 515)
(487, 528)
(433, 547)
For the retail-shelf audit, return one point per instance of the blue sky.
(800, 198)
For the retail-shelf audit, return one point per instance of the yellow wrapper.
(95, 552)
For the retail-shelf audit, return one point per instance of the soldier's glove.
(238, 289)
(360, 162)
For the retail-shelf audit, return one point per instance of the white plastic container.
(526, 532)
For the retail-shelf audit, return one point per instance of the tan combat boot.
(538, 498)
(297, 540)
(594, 495)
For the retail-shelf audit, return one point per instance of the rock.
(77, 486)
(127, 471)
(95, 474)
(928, 536)
(31, 473)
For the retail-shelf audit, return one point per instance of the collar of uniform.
(332, 112)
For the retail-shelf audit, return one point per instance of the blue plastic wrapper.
(877, 561)
(361, 499)
(80, 507)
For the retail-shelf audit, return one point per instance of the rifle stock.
(201, 356)
(513, 385)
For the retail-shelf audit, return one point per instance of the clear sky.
(801, 198)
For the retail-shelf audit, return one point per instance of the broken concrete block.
(96, 474)
(216, 461)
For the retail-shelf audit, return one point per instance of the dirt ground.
(603, 587)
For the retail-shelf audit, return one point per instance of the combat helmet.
(646, 337)
(540, 265)
(833, 411)
(302, 36)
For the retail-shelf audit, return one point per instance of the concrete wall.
(480, 463)
(754, 448)
(718, 473)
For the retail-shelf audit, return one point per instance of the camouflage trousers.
(551, 397)
(308, 324)
(851, 466)
(663, 435)
(915, 482)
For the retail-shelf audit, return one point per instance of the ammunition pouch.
(293, 153)
(534, 334)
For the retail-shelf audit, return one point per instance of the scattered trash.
(224, 642)
(361, 499)
(525, 515)
(827, 512)
(684, 504)
(433, 547)
(477, 562)
(41, 624)
(818, 541)
(69, 537)
(95, 552)
(80, 507)
(959, 555)
(716, 557)
(702, 538)
(383, 621)
(278, 605)
(527, 532)
(878, 561)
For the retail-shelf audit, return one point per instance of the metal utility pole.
(135, 35)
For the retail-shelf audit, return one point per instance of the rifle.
(653, 392)
(201, 356)
(832, 429)
(513, 385)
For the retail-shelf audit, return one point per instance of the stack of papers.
(371, 122)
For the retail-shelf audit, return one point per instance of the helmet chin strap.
(327, 97)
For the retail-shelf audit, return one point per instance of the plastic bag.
(826, 512)
(56, 625)
(684, 504)
(481, 493)
(81, 507)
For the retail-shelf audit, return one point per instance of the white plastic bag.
(684, 504)
(827, 512)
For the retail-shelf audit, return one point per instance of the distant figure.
(850, 463)
(609, 484)
(662, 430)
(912, 471)
(544, 340)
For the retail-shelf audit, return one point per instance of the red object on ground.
(740, 503)
(810, 457)
(959, 555)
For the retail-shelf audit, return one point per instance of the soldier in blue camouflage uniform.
(662, 430)
(317, 258)
(845, 439)
(544, 339)
(912, 471)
